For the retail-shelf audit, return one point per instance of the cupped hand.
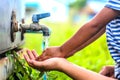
(49, 64)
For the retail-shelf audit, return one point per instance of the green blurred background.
(94, 56)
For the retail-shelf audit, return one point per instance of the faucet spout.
(45, 30)
(36, 28)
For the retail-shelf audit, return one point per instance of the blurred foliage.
(21, 70)
(78, 4)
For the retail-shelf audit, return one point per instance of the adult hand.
(49, 64)
(108, 71)
(50, 53)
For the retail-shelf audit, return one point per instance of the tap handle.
(37, 17)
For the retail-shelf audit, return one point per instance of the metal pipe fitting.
(36, 28)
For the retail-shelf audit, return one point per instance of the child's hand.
(49, 64)
(108, 71)
(30, 55)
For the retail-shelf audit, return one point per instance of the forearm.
(87, 42)
(79, 73)
(80, 39)
(89, 30)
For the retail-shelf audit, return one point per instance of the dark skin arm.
(83, 37)
(89, 30)
(87, 42)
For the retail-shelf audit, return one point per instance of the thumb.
(36, 64)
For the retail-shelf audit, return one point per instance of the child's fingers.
(30, 54)
(26, 58)
(35, 53)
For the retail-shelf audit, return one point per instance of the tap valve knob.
(37, 17)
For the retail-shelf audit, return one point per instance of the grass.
(93, 57)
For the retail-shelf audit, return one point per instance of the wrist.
(61, 64)
(63, 51)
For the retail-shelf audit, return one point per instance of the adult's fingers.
(41, 58)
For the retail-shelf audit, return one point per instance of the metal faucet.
(35, 27)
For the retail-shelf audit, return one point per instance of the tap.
(35, 27)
